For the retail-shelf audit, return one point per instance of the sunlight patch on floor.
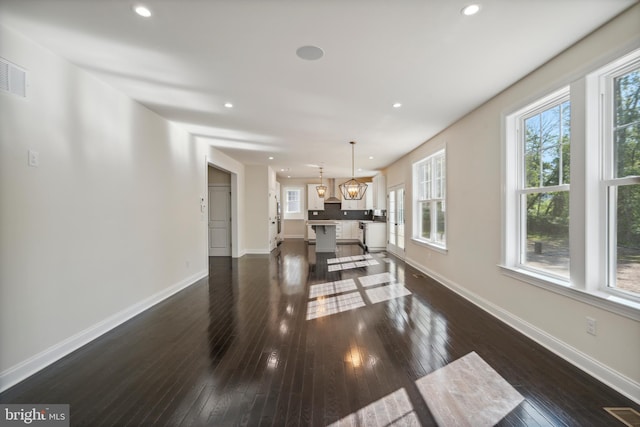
(331, 288)
(468, 392)
(386, 293)
(376, 279)
(330, 298)
(327, 306)
(394, 409)
(350, 265)
(349, 258)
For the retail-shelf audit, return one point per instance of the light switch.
(34, 159)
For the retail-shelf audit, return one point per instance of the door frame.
(235, 223)
(394, 248)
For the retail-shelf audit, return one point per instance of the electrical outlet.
(591, 326)
(34, 158)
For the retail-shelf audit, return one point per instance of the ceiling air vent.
(13, 79)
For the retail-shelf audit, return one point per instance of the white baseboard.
(601, 372)
(257, 251)
(30, 366)
(294, 236)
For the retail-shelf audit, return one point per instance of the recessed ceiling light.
(370, 157)
(270, 157)
(142, 11)
(471, 9)
(309, 53)
(288, 176)
(228, 105)
(397, 105)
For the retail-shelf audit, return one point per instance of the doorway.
(219, 212)
(395, 219)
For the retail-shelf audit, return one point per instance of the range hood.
(332, 192)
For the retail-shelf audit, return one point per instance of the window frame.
(434, 196)
(588, 212)
(556, 98)
(299, 213)
(605, 77)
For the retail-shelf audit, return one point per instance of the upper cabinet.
(314, 202)
(349, 205)
(379, 192)
(368, 202)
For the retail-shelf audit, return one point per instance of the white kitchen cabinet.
(375, 235)
(347, 230)
(379, 192)
(311, 234)
(314, 202)
(368, 202)
(356, 205)
(348, 205)
(353, 230)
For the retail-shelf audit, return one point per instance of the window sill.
(603, 300)
(292, 216)
(441, 249)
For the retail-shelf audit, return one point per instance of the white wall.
(474, 224)
(110, 221)
(257, 209)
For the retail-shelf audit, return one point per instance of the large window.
(572, 188)
(429, 194)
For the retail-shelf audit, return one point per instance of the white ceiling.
(193, 56)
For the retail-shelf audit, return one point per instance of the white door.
(220, 220)
(395, 218)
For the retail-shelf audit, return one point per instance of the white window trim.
(514, 184)
(587, 263)
(436, 246)
(600, 83)
(292, 215)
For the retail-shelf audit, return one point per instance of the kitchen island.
(325, 234)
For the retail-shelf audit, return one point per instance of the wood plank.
(236, 349)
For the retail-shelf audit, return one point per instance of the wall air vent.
(13, 79)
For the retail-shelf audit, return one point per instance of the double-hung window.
(542, 206)
(572, 188)
(429, 193)
(620, 110)
(293, 203)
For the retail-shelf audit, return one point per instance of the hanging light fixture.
(321, 189)
(352, 189)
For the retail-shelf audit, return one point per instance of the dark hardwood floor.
(237, 349)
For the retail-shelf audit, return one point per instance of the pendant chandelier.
(352, 189)
(321, 189)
